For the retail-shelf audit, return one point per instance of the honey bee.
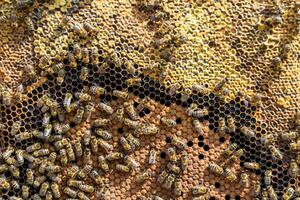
(198, 126)
(114, 156)
(57, 178)
(14, 171)
(14, 185)
(103, 164)
(4, 184)
(134, 142)
(172, 154)
(29, 24)
(89, 28)
(294, 146)
(49, 195)
(150, 129)
(131, 162)
(143, 176)
(198, 113)
(267, 139)
(63, 157)
(41, 152)
(84, 73)
(152, 157)
(29, 157)
(293, 169)
(125, 144)
(78, 29)
(20, 157)
(177, 187)
(24, 136)
(94, 144)
(119, 114)
(67, 100)
(45, 62)
(199, 190)
(29, 176)
(96, 177)
(268, 177)
(103, 134)
(288, 136)
(177, 143)
(169, 181)
(87, 156)
(3, 168)
(222, 125)
(39, 180)
(215, 168)
(229, 175)
(131, 123)
(86, 188)
(15, 127)
(134, 81)
(85, 55)
(288, 194)
(244, 181)
(87, 137)
(105, 145)
(275, 153)
(130, 111)
(168, 122)
(272, 193)
(106, 108)
(85, 171)
(256, 189)
(230, 149)
(219, 85)
(77, 51)
(162, 176)
(256, 99)
(200, 89)
(95, 56)
(120, 94)
(72, 60)
(82, 196)
(25, 191)
(247, 131)
(173, 168)
(36, 197)
(122, 168)
(8, 152)
(97, 90)
(72, 171)
(264, 194)
(60, 144)
(88, 110)
(184, 160)
(70, 152)
(231, 127)
(252, 165)
(70, 192)
(43, 189)
(101, 122)
(6, 98)
(79, 115)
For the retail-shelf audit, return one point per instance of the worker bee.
(267, 139)
(79, 115)
(43, 189)
(15, 127)
(88, 110)
(222, 125)
(220, 84)
(264, 194)
(94, 144)
(198, 113)
(177, 143)
(3, 168)
(29, 176)
(150, 129)
(169, 181)
(96, 177)
(229, 175)
(184, 160)
(168, 122)
(29, 24)
(89, 28)
(6, 98)
(63, 157)
(83, 97)
(41, 152)
(130, 111)
(70, 192)
(87, 156)
(103, 134)
(85, 55)
(256, 189)
(252, 165)
(122, 168)
(36, 197)
(67, 100)
(95, 56)
(25, 191)
(272, 193)
(103, 164)
(152, 157)
(288, 136)
(172, 154)
(143, 176)
(46, 119)
(288, 194)
(72, 60)
(120, 94)
(198, 126)
(200, 89)
(101, 122)
(173, 168)
(77, 51)
(29, 157)
(114, 156)
(39, 180)
(60, 144)
(162, 176)
(119, 114)
(55, 68)
(45, 61)
(275, 153)
(47, 131)
(82, 196)
(4, 184)
(230, 149)
(129, 161)
(199, 190)
(78, 29)
(8, 152)
(268, 177)
(86, 188)
(134, 81)
(293, 169)
(87, 137)
(97, 90)
(14, 185)
(215, 168)
(244, 180)
(24, 136)
(84, 73)
(247, 131)
(231, 127)
(70, 152)
(105, 145)
(132, 124)
(106, 108)
(85, 171)
(72, 171)
(20, 157)
(133, 141)
(52, 157)
(49, 195)
(125, 144)
(294, 146)
(14, 171)
(177, 187)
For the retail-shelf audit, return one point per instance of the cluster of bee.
(177, 163)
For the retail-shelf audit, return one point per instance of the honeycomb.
(149, 99)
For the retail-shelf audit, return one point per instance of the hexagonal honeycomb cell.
(149, 99)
